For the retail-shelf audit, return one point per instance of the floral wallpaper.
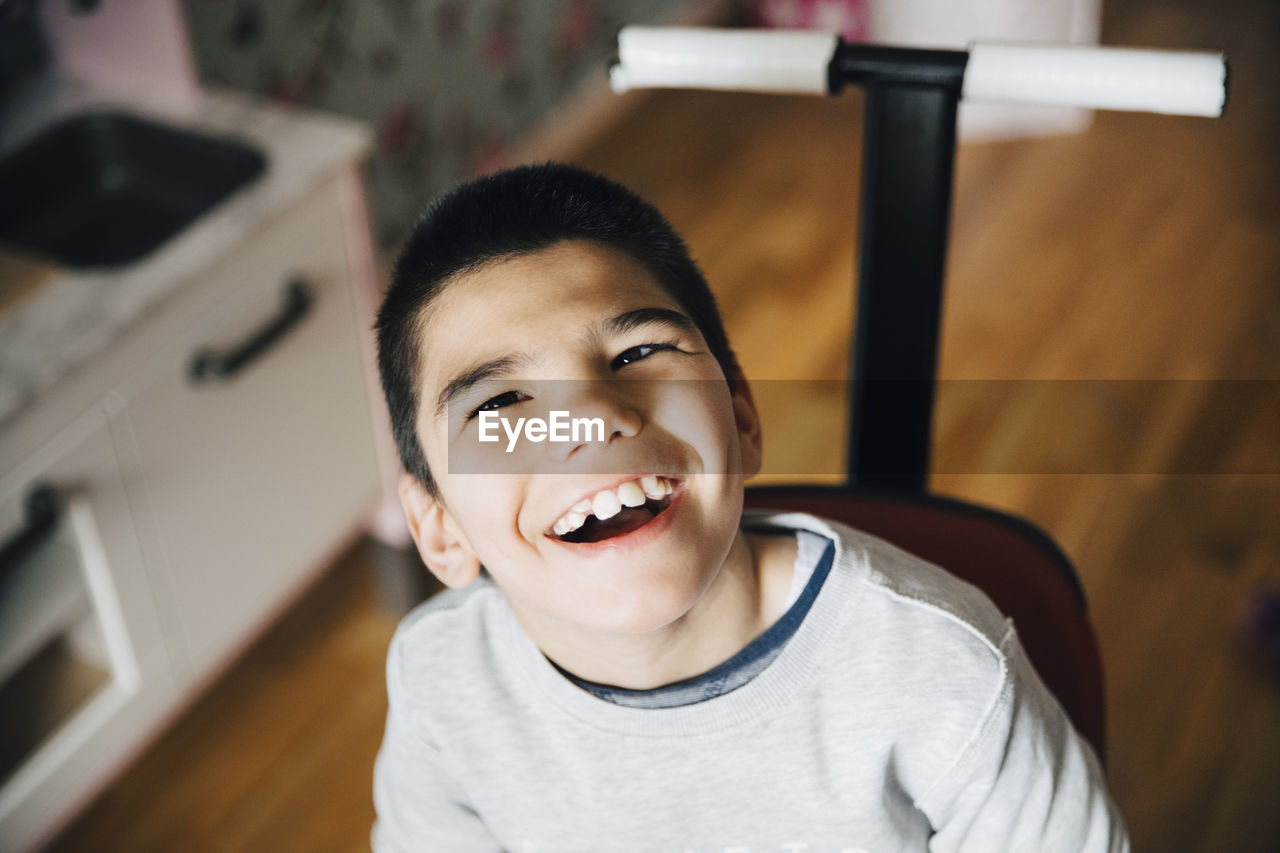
(447, 84)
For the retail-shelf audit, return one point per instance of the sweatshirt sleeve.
(420, 806)
(1025, 780)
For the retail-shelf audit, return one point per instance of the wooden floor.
(1109, 295)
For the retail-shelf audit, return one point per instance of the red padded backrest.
(1013, 562)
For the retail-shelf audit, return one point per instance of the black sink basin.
(104, 189)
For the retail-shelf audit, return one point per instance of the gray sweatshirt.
(901, 715)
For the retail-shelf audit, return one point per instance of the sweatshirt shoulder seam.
(981, 729)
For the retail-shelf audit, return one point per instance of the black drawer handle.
(40, 510)
(210, 364)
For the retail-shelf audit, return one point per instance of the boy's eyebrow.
(460, 383)
(630, 320)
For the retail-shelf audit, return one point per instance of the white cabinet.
(83, 670)
(218, 455)
(250, 474)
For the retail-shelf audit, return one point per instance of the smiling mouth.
(612, 513)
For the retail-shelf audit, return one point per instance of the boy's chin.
(639, 614)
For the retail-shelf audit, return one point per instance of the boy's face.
(585, 329)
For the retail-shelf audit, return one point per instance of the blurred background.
(212, 672)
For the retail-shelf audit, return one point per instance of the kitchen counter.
(76, 314)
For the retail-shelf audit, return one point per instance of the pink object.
(137, 49)
(849, 18)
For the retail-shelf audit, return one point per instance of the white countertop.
(76, 314)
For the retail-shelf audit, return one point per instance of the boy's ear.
(440, 543)
(750, 435)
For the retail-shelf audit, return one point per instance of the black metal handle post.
(210, 364)
(41, 511)
(907, 172)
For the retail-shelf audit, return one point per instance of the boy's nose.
(604, 410)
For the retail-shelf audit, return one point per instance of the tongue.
(595, 530)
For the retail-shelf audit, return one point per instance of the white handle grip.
(739, 60)
(1162, 81)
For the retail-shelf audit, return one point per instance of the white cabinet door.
(83, 673)
(251, 440)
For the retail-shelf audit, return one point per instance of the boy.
(639, 666)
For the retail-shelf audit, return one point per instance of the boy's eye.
(506, 398)
(637, 353)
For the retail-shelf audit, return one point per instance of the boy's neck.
(748, 595)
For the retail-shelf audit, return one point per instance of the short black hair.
(516, 212)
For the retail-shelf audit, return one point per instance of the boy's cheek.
(478, 452)
(710, 430)
(487, 515)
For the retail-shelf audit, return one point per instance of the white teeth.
(605, 504)
(652, 486)
(630, 494)
(569, 522)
